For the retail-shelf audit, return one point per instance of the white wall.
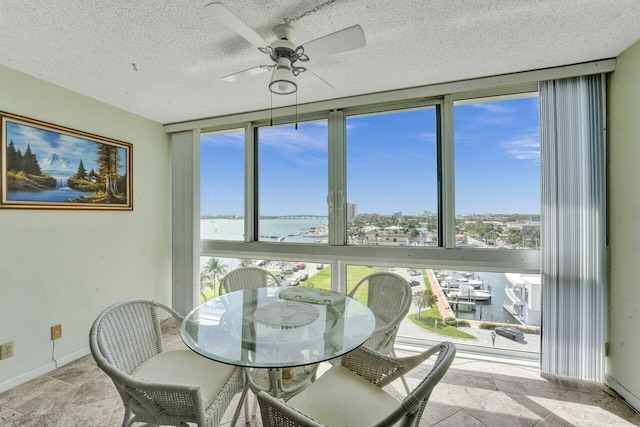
(624, 223)
(67, 266)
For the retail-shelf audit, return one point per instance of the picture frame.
(46, 166)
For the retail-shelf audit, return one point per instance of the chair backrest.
(369, 365)
(389, 298)
(128, 333)
(247, 278)
(381, 371)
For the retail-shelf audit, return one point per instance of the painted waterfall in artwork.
(53, 168)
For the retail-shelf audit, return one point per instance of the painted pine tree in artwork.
(82, 172)
(108, 164)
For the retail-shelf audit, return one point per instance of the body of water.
(490, 311)
(294, 230)
(291, 230)
(60, 194)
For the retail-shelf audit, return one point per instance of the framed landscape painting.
(45, 166)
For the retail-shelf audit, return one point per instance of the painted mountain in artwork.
(53, 163)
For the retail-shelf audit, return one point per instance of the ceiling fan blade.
(228, 18)
(340, 41)
(249, 72)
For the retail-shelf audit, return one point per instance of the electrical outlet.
(6, 350)
(56, 332)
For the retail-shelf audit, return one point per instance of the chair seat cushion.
(184, 367)
(341, 398)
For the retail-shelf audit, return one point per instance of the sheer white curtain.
(573, 216)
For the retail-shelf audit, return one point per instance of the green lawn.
(432, 321)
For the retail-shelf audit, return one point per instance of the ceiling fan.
(285, 54)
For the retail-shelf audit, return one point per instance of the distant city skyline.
(391, 164)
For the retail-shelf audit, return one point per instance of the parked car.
(301, 266)
(319, 266)
(303, 277)
(279, 276)
(510, 333)
(414, 273)
(287, 271)
(414, 283)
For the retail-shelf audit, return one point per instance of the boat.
(457, 281)
(319, 231)
(467, 292)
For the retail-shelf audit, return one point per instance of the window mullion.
(447, 183)
(337, 179)
(250, 184)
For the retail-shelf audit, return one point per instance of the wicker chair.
(157, 387)
(247, 278)
(295, 379)
(352, 393)
(389, 298)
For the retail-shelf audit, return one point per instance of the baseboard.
(623, 392)
(42, 370)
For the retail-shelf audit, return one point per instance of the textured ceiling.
(181, 51)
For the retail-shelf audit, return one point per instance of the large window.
(443, 191)
(392, 187)
(292, 182)
(497, 172)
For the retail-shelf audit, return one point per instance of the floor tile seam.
(471, 415)
(67, 403)
(22, 414)
(92, 376)
(68, 406)
(549, 411)
(462, 409)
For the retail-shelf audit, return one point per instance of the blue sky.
(391, 163)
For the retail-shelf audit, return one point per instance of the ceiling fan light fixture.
(283, 82)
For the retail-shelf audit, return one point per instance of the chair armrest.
(277, 413)
(179, 317)
(382, 370)
(157, 398)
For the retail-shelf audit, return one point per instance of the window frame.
(446, 256)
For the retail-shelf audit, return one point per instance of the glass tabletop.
(277, 327)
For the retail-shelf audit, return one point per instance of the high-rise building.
(352, 211)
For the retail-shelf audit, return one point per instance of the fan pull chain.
(288, 21)
(271, 111)
(296, 110)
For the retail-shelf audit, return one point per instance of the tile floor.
(473, 393)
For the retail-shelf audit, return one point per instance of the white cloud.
(427, 136)
(494, 107)
(289, 140)
(231, 138)
(526, 147)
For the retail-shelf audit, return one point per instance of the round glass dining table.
(277, 327)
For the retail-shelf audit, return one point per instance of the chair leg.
(246, 408)
(236, 413)
(127, 421)
(406, 386)
(255, 405)
(404, 381)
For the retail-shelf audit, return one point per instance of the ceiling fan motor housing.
(283, 48)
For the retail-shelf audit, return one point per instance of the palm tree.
(246, 262)
(210, 274)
